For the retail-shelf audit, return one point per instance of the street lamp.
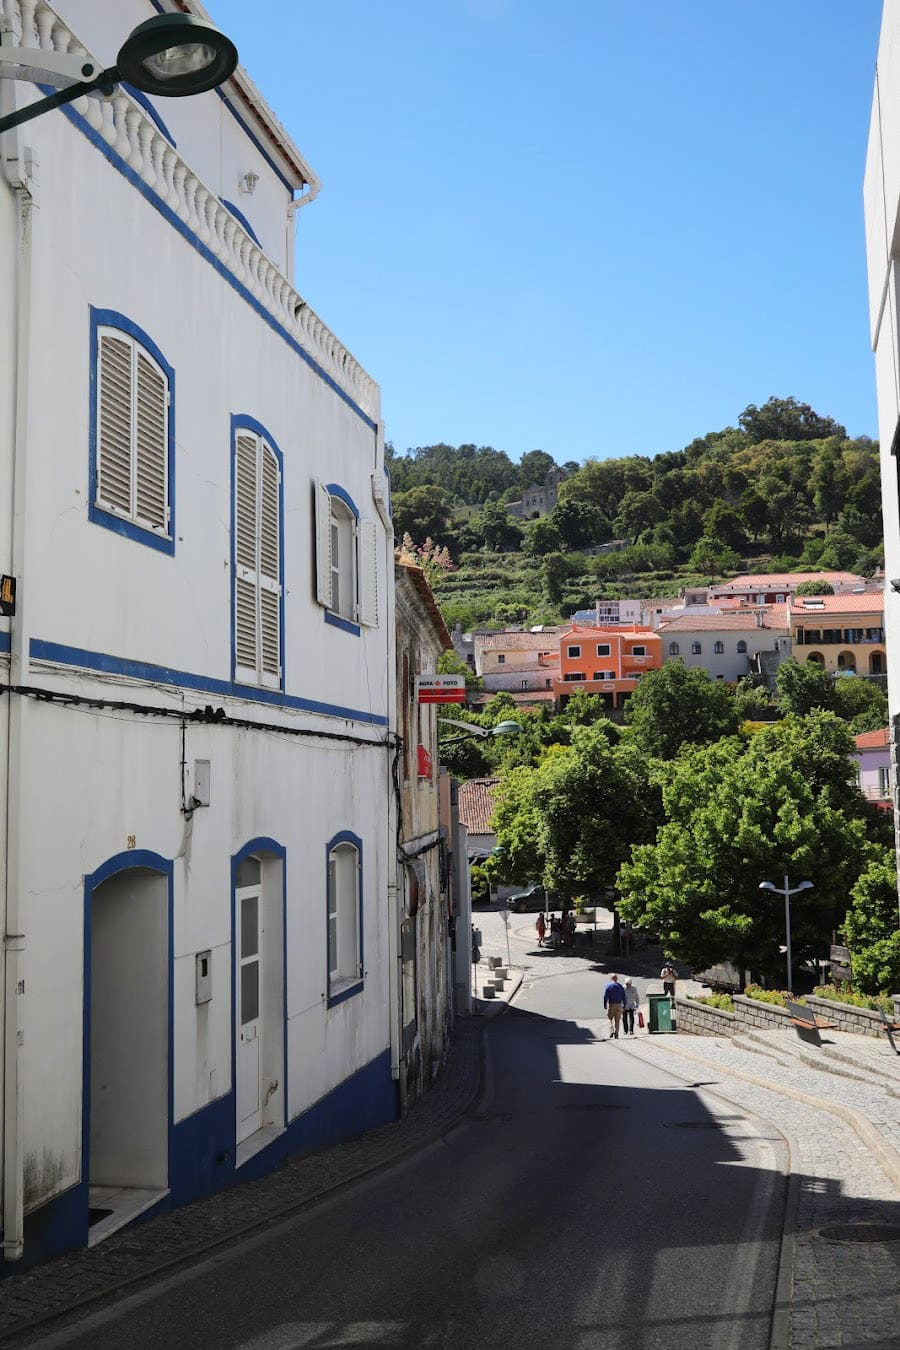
(472, 729)
(174, 55)
(787, 891)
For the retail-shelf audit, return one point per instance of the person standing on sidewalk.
(614, 1002)
(669, 975)
(541, 927)
(632, 1003)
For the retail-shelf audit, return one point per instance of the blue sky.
(591, 227)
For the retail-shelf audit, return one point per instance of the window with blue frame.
(344, 896)
(347, 552)
(257, 560)
(132, 440)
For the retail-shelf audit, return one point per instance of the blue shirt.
(613, 993)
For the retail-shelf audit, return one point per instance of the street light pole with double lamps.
(787, 891)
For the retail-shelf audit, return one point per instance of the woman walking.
(541, 927)
(632, 1003)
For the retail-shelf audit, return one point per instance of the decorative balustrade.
(131, 135)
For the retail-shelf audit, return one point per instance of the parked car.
(535, 898)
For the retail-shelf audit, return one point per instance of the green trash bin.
(660, 1013)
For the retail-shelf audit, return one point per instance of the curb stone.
(61, 1281)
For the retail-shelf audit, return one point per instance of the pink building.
(873, 756)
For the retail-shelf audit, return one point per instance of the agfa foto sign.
(441, 689)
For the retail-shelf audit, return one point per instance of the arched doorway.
(846, 661)
(127, 1097)
(816, 658)
(259, 1055)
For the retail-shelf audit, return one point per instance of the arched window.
(696, 649)
(742, 647)
(719, 648)
(344, 888)
(673, 648)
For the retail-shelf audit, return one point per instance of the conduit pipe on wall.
(394, 866)
(18, 171)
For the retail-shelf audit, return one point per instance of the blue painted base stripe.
(5, 642)
(204, 1152)
(41, 650)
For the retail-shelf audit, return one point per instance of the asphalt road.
(589, 1201)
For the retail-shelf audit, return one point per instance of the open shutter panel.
(114, 423)
(151, 445)
(367, 573)
(323, 544)
(245, 549)
(269, 566)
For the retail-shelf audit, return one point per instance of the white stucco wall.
(97, 783)
(728, 665)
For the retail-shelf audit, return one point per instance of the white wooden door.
(249, 997)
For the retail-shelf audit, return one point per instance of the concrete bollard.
(488, 991)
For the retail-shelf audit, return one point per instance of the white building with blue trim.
(196, 807)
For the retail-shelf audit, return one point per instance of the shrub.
(876, 1002)
(775, 996)
(723, 1001)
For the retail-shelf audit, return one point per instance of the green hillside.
(784, 489)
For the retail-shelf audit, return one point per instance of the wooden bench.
(889, 1028)
(807, 1023)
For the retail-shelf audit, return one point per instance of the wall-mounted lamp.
(247, 183)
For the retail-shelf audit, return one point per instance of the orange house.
(606, 661)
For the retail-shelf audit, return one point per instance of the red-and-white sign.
(441, 689)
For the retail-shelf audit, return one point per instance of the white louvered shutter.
(322, 499)
(114, 423)
(367, 572)
(151, 444)
(269, 567)
(246, 549)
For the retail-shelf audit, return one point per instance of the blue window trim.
(264, 845)
(337, 620)
(243, 421)
(5, 642)
(332, 1000)
(140, 97)
(126, 862)
(111, 318)
(242, 220)
(61, 654)
(187, 233)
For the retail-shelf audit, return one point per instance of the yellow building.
(843, 633)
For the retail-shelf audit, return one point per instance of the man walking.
(632, 1003)
(614, 1002)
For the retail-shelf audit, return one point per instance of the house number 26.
(132, 841)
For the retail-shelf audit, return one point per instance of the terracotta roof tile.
(773, 581)
(870, 603)
(476, 804)
(874, 740)
(518, 642)
(726, 623)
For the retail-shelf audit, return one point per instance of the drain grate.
(700, 1124)
(862, 1232)
(592, 1106)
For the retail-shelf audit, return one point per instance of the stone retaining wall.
(702, 1019)
(845, 1017)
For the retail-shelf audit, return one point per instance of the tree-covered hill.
(784, 488)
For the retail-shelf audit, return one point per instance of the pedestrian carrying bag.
(640, 1018)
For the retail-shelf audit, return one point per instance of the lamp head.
(175, 55)
(804, 886)
(506, 729)
(767, 886)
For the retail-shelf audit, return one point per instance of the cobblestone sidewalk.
(833, 1293)
(135, 1254)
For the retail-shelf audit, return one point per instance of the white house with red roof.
(774, 588)
(726, 644)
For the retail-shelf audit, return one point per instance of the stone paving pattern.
(843, 1294)
(180, 1235)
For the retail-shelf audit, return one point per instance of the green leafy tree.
(554, 575)
(872, 926)
(739, 812)
(675, 706)
(577, 523)
(496, 527)
(713, 558)
(784, 419)
(724, 522)
(534, 467)
(421, 512)
(638, 511)
(803, 686)
(815, 588)
(840, 552)
(542, 537)
(753, 702)
(755, 510)
(861, 703)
